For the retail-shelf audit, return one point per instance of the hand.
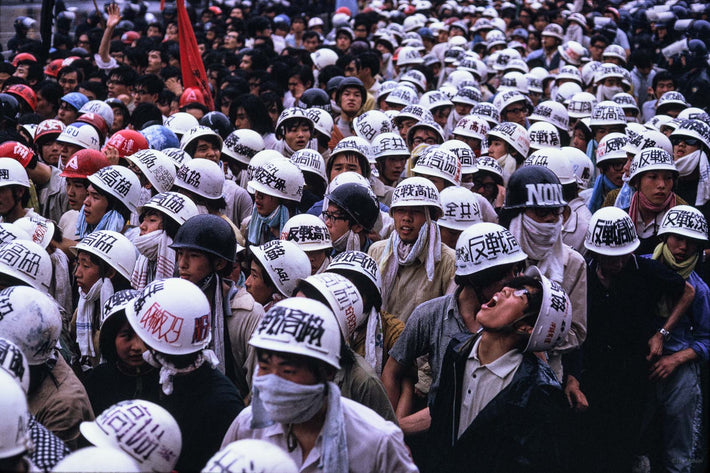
(576, 398)
(655, 347)
(664, 367)
(114, 15)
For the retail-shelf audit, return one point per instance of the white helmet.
(611, 147)
(201, 177)
(261, 158)
(100, 108)
(607, 113)
(555, 317)
(518, 65)
(80, 134)
(552, 112)
(97, 460)
(250, 454)
(180, 123)
(171, 316)
(389, 144)
(112, 247)
(589, 72)
(408, 56)
(437, 162)
(488, 164)
(416, 192)
(463, 152)
(685, 220)
(694, 129)
(343, 298)
(651, 159)
(627, 101)
(285, 262)
(302, 327)
(467, 95)
(242, 145)
(278, 178)
(416, 112)
(122, 424)
(514, 81)
(544, 135)
(358, 262)
(472, 126)
(178, 156)
(486, 245)
(415, 77)
(572, 52)
(581, 104)
(324, 57)
(607, 70)
(611, 232)
(180, 208)
(582, 166)
(199, 132)
(15, 420)
(121, 183)
(291, 114)
(486, 110)
(14, 362)
(156, 166)
(649, 139)
(434, 99)
(566, 91)
(31, 320)
(308, 231)
(461, 209)
(10, 232)
(12, 173)
(371, 124)
(352, 144)
(322, 120)
(507, 98)
(27, 261)
(513, 134)
(556, 160)
(614, 51)
(38, 228)
(310, 160)
(402, 95)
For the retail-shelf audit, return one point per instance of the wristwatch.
(666, 334)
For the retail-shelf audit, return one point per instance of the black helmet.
(351, 82)
(9, 108)
(315, 98)
(333, 84)
(219, 122)
(208, 233)
(697, 53)
(358, 201)
(534, 186)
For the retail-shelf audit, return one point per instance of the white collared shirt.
(481, 383)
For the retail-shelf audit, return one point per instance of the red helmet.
(84, 163)
(48, 129)
(216, 10)
(192, 95)
(52, 69)
(17, 151)
(23, 57)
(24, 93)
(97, 121)
(127, 142)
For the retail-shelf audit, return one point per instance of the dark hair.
(255, 111)
(169, 72)
(169, 225)
(369, 60)
(327, 73)
(144, 114)
(264, 275)
(535, 298)
(599, 37)
(304, 73)
(322, 371)
(663, 75)
(152, 83)
(118, 281)
(125, 74)
(113, 203)
(97, 88)
(68, 70)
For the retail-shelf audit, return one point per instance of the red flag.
(193, 70)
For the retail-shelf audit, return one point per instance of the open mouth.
(490, 304)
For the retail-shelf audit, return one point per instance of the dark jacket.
(524, 428)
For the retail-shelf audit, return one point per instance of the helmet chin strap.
(205, 282)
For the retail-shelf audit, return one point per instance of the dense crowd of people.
(382, 237)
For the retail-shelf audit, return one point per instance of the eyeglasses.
(488, 186)
(417, 140)
(334, 217)
(543, 212)
(617, 165)
(517, 110)
(676, 140)
(522, 292)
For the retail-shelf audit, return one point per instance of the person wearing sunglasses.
(533, 211)
(691, 145)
